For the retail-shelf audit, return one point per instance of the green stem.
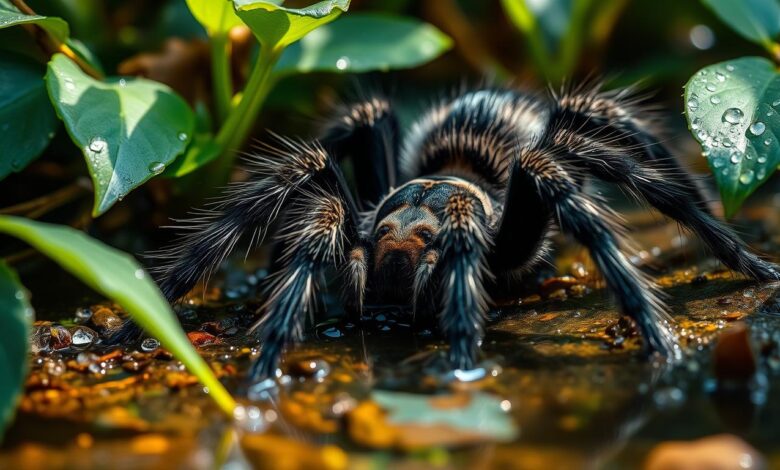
(242, 117)
(220, 75)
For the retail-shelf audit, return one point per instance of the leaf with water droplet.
(743, 111)
(15, 325)
(364, 42)
(276, 26)
(27, 120)
(123, 126)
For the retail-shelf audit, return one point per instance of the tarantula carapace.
(469, 196)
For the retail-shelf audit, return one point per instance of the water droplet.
(715, 99)
(746, 177)
(122, 82)
(97, 144)
(733, 115)
(156, 167)
(182, 136)
(702, 134)
(150, 344)
(720, 77)
(770, 113)
(775, 103)
(342, 63)
(727, 142)
(767, 141)
(757, 128)
(718, 162)
(69, 85)
(735, 158)
(693, 103)
(139, 273)
(761, 159)
(710, 87)
(761, 173)
(730, 68)
(696, 123)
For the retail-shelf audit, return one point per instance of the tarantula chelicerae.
(470, 195)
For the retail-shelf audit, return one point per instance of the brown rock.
(733, 356)
(720, 452)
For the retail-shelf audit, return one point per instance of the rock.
(106, 321)
(201, 338)
(719, 452)
(733, 357)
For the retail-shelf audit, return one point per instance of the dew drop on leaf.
(717, 162)
(775, 103)
(767, 141)
(733, 116)
(182, 136)
(342, 63)
(757, 128)
(139, 273)
(720, 77)
(156, 167)
(761, 173)
(710, 87)
(97, 144)
(730, 68)
(761, 159)
(693, 103)
(735, 157)
(746, 177)
(715, 99)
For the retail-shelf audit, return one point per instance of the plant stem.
(242, 117)
(220, 75)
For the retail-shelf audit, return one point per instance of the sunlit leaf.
(365, 42)
(755, 20)
(276, 26)
(15, 321)
(27, 120)
(11, 16)
(119, 277)
(732, 109)
(129, 129)
(217, 16)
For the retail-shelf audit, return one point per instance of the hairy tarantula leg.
(315, 232)
(464, 244)
(617, 118)
(660, 188)
(368, 132)
(591, 224)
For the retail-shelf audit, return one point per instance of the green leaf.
(217, 16)
(755, 20)
(365, 42)
(27, 120)
(128, 128)
(201, 151)
(119, 277)
(11, 16)
(15, 321)
(277, 27)
(732, 109)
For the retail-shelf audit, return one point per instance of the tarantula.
(470, 195)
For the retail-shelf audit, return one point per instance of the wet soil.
(562, 383)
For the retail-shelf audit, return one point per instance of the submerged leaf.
(119, 277)
(129, 129)
(365, 42)
(732, 109)
(15, 321)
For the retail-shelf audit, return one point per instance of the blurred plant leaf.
(201, 151)
(755, 20)
(85, 54)
(119, 277)
(276, 26)
(128, 129)
(732, 109)
(27, 120)
(11, 16)
(217, 16)
(365, 42)
(15, 321)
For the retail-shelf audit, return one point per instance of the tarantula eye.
(382, 231)
(425, 235)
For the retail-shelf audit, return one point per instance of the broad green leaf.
(732, 109)
(15, 321)
(755, 20)
(27, 120)
(11, 16)
(364, 42)
(128, 128)
(201, 151)
(217, 16)
(277, 27)
(119, 277)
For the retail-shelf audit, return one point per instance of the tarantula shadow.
(469, 195)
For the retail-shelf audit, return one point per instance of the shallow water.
(561, 385)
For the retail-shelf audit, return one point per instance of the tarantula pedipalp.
(470, 197)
